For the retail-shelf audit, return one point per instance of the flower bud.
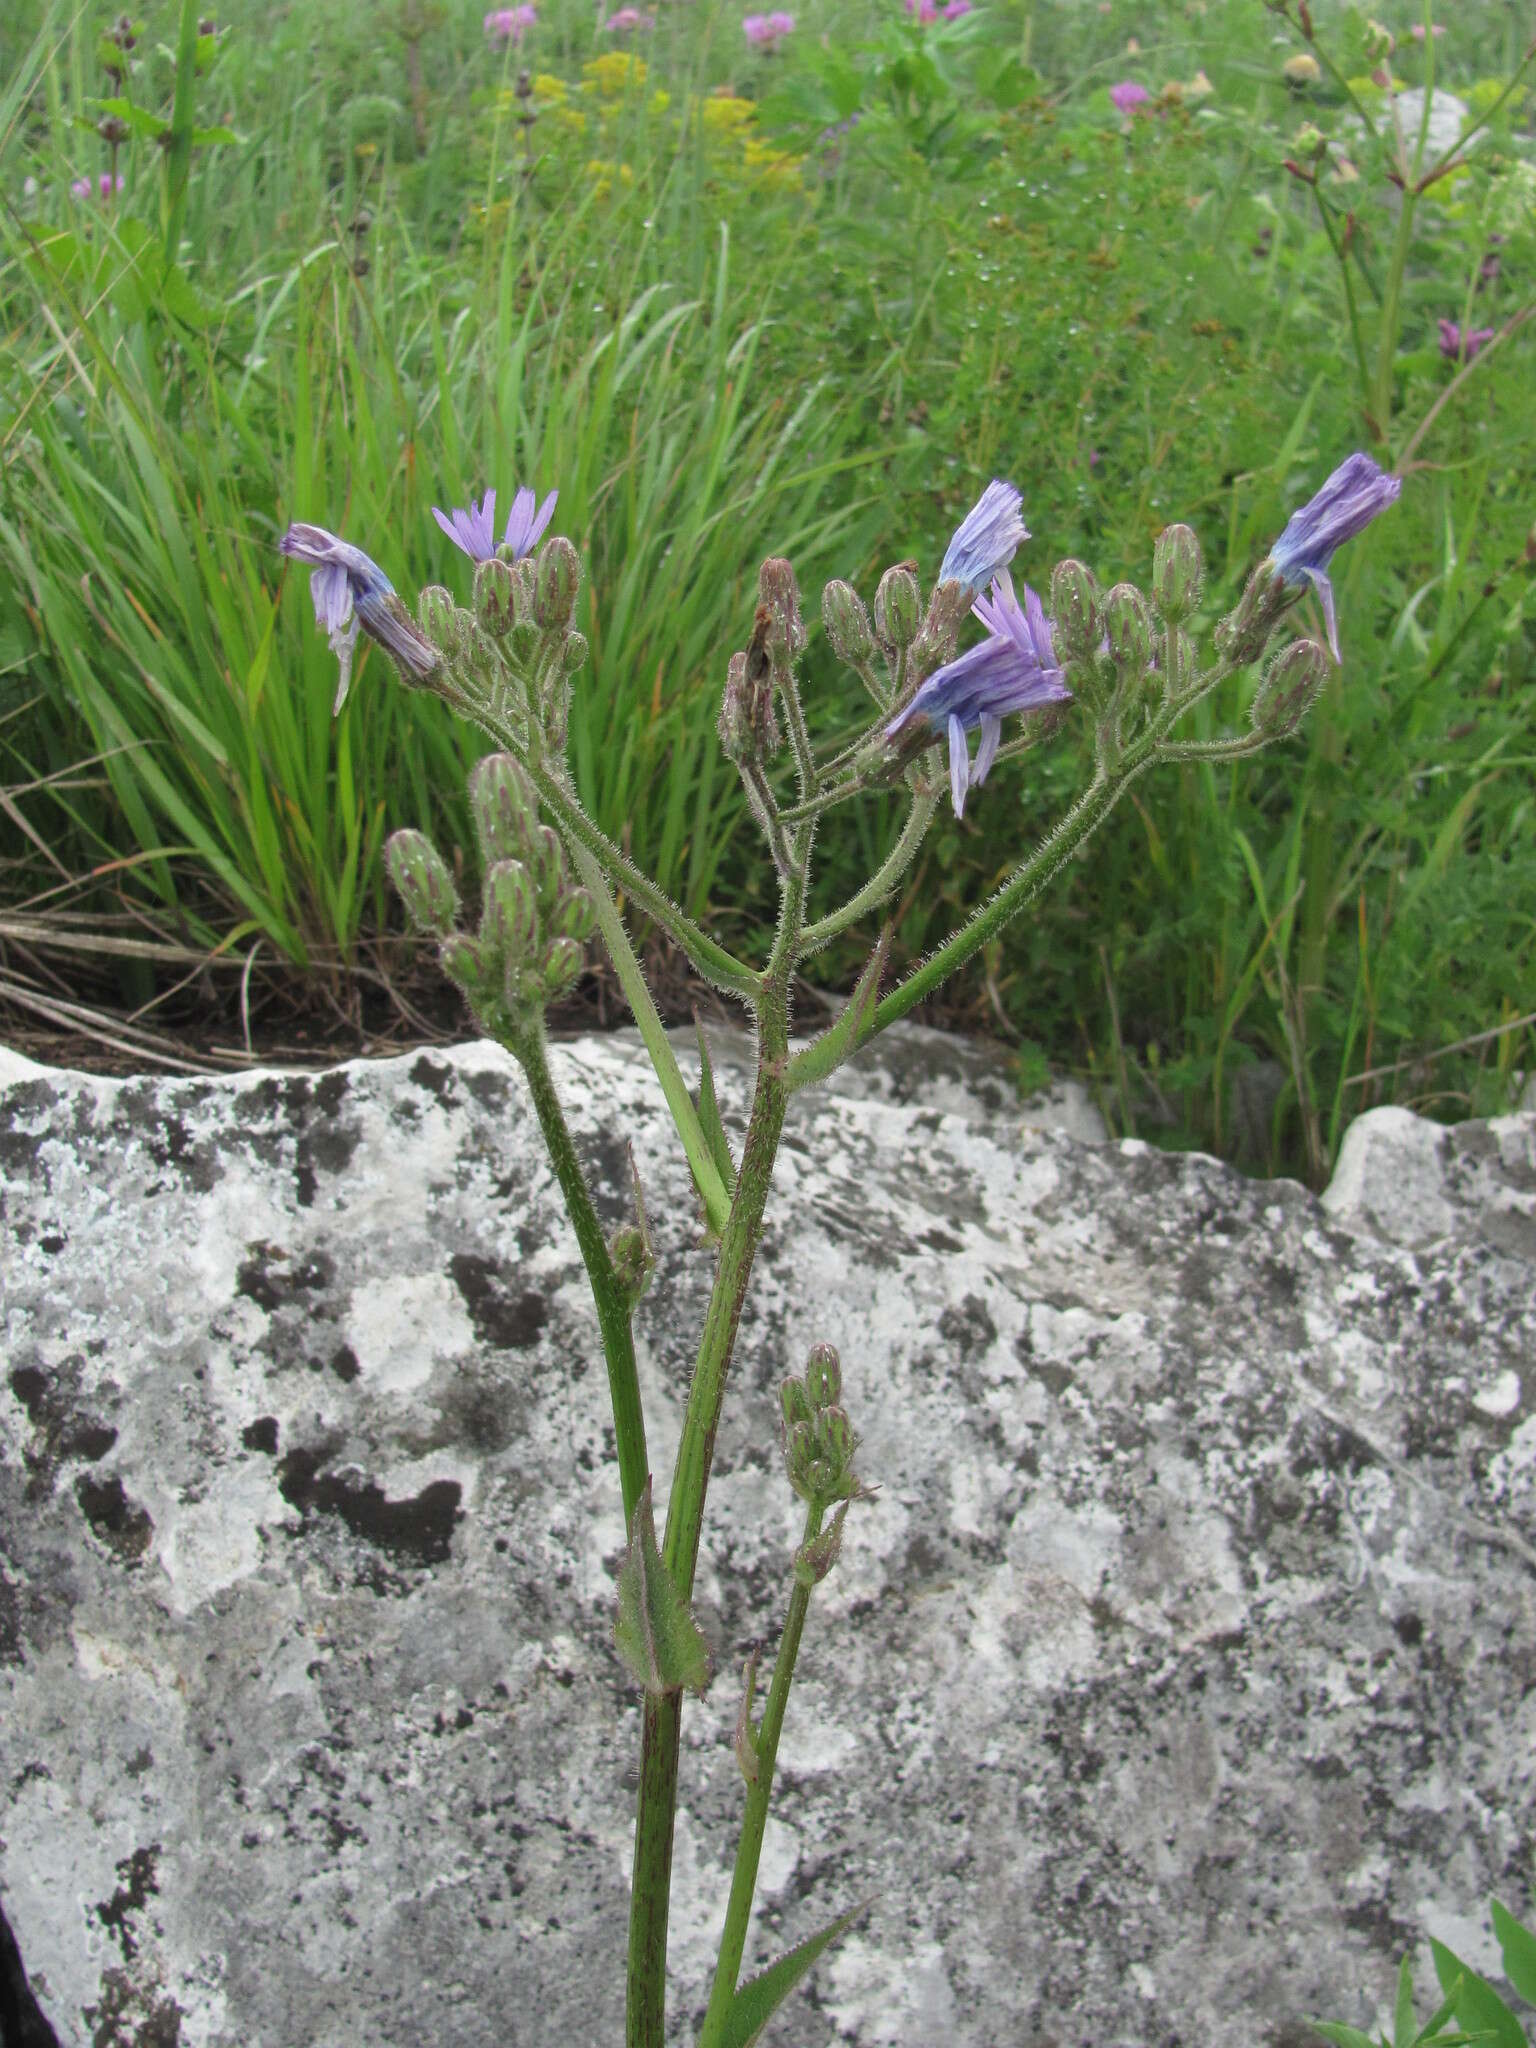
(1309, 142)
(747, 727)
(557, 581)
(561, 967)
(574, 915)
(1379, 42)
(113, 130)
(496, 596)
(1075, 618)
(575, 652)
(794, 1402)
(462, 960)
(505, 807)
(846, 624)
(510, 920)
(440, 619)
(835, 1440)
(898, 606)
(823, 1376)
(1128, 624)
(777, 589)
(1289, 689)
(1177, 573)
(633, 1260)
(546, 856)
(421, 878)
(1241, 636)
(1301, 70)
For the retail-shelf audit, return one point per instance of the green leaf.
(1518, 1946)
(843, 1038)
(1341, 2036)
(709, 1112)
(1479, 2008)
(656, 1635)
(1405, 2028)
(203, 136)
(139, 119)
(756, 2002)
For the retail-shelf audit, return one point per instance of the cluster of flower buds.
(1289, 689)
(819, 1442)
(513, 653)
(533, 923)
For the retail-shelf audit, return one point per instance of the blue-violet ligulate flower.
(352, 591)
(475, 530)
(1013, 669)
(1358, 489)
(986, 539)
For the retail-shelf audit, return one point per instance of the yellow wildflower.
(724, 115)
(614, 72)
(1302, 69)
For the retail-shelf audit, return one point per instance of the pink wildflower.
(764, 30)
(628, 18)
(923, 11)
(1128, 94)
(956, 8)
(1417, 31)
(508, 23)
(1458, 344)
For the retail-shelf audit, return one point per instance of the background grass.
(803, 302)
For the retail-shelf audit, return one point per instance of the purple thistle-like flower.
(1458, 344)
(475, 530)
(1347, 503)
(987, 538)
(764, 30)
(350, 590)
(1128, 94)
(524, 525)
(1013, 669)
(508, 23)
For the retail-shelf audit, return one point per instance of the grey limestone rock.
(1182, 1672)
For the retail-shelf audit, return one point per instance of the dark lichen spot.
(119, 1522)
(344, 1364)
(418, 1530)
(135, 1887)
(940, 1241)
(1410, 1630)
(273, 1279)
(331, 1091)
(30, 1385)
(968, 1328)
(52, 1243)
(142, 1760)
(508, 1318)
(435, 1078)
(132, 2015)
(82, 1438)
(261, 1435)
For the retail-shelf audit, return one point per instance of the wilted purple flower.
(1347, 503)
(764, 30)
(1013, 669)
(986, 539)
(350, 591)
(508, 23)
(1458, 343)
(475, 530)
(1128, 94)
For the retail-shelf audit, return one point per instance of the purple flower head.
(351, 591)
(475, 530)
(956, 8)
(764, 30)
(923, 10)
(1128, 94)
(628, 18)
(508, 23)
(1457, 343)
(986, 539)
(1347, 503)
(524, 525)
(1013, 669)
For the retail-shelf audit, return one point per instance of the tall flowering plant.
(1129, 665)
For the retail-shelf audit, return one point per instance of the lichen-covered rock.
(1182, 1670)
